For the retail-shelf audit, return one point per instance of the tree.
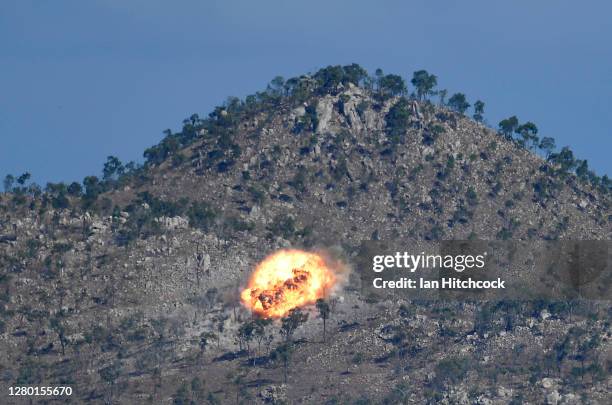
(110, 374)
(203, 343)
(565, 159)
(392, 85)
(34, 190)
(245, 335)
(547, 144)
(197, 389)
(259, 332)
(60, 201)
(276, 86)
(378, 74)
(423, 83)
(397, 120)
(508, 126)
(355, 74)
(9, 180)
(458, 103)
(220, 326)
(92, 188)
(606, 183)
(182, 395)
(56, 325)
(442, 97)
(324, 310)
(291, 322)
(239, 381)
(582, 169)
(75, 189)
(21, 180)
(113, 168)
(528, 132)
(284, 353)
(358, 359)
(479, 110)
(329, 78)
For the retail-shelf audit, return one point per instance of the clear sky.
(81, 80)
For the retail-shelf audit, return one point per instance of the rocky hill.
(128, 290)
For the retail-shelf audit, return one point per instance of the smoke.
(336, 260)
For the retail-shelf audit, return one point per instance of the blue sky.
(83, 80)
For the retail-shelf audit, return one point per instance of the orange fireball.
(287, 279)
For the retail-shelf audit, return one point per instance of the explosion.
(285, 280)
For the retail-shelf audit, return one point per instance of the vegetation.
(458, 102)
(291, 322)
(324, 310)
(424, 83)
(478, 110)
(218, 131)
(389, 85)
(398, 120)
(330, 79)
(73, 278)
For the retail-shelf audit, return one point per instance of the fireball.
(285, 280)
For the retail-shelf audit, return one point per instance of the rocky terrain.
(128, 291)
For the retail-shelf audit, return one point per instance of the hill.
(127, 288)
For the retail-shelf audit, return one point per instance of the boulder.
(274, 394)
(553, 398)
(173, 223)
(324, 109)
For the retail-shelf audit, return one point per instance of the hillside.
(128, 290)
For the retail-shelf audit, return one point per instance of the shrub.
(178, 160)
(397, 120)
(32, 246)
(472, 197)
(60, 201)
(435, 233)
(340, 170)
(239, 225)
(257, 194)
(504, 234)
(451, 370)
(201, 215)
(299, 180)
(282, 225)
